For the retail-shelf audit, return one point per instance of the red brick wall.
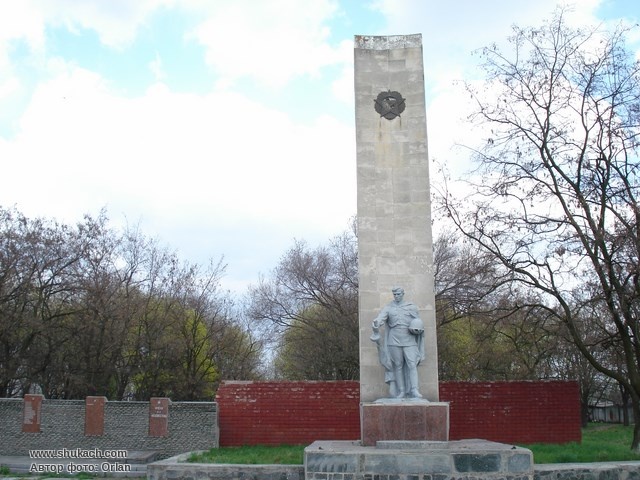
(514, 412)
(273, 413)
(293, 413)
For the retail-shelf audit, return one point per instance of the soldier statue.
(402, 349)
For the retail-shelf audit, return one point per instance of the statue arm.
(382, 317)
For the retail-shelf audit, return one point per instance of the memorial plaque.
(158, 417)
(32, 405)
(94, 416)
(405, 421)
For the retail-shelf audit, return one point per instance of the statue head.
(398, 294)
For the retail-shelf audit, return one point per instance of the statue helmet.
(416, 325)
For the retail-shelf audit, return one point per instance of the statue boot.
(414, 393)
(413, 388)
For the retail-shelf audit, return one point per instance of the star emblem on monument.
(389, 104)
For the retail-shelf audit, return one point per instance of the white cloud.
(9, 87)
(157, 68)
(202, 172)
(451, 32)
(342, 87)
(218, 172)
(116, 21)
(178, 156)
(448, 128)
(21, 20)
(469, 24)
(271, 42)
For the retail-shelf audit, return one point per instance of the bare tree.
(556, 197)
(36, 292)
(309, 307)
(464, 276)
(88, 309)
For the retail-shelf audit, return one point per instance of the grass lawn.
(600, 443)
(253, 455)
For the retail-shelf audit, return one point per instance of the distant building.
(608, 412)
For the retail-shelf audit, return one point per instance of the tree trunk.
(635, 444)
(625, 405)
(584, 413)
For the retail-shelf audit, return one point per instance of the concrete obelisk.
(394, 205)
(407, 437)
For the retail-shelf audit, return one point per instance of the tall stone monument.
(394, 205)
(404, 435)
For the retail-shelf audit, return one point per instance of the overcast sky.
(221, 127)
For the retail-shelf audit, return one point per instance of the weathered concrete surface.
(394, 206)
(459, 460)
(177, 467)
(588, 471)
(341, 462)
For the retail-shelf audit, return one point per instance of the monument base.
(392, 419)
(459, 460)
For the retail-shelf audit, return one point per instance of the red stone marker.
(94, 416)
(158, 417)
(418, 422)
(31, 413)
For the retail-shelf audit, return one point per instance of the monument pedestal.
(413, 420)
(457, 460)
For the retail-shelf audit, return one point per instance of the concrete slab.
(416, 460)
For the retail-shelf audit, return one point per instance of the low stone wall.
(175, 468)
(588, 471)
(61, 424)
